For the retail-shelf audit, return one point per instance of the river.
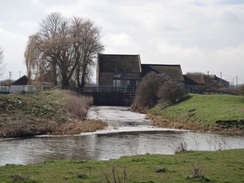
(128, 133)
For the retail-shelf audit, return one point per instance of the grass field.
(205, 109)
(219, 167)
(48, 112)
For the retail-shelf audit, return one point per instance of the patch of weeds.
(150, 181)
(81, 176)
(79, 162)
(116, 176)
(17, 177)
(181, 147)
(160, 170)
(198, 174)
(138, 160)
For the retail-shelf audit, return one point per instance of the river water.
(128, 134)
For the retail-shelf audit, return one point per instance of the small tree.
(157, 87)
(172, 92)
(146, 93)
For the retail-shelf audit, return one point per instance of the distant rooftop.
(119, 63)
(173, 71)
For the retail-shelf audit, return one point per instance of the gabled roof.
(194, 79)
(119, 63)
(173, 71)
(21, 81)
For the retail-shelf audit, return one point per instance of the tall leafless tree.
(87, 45)
(63, 48)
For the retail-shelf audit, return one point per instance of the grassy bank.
(218, 167)
(202, 112)
(48, 112)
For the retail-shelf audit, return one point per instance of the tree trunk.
(55, 80)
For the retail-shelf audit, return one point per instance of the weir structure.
(109, 96)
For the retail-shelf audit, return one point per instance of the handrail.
(106, 89)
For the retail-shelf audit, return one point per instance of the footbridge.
(110, 96)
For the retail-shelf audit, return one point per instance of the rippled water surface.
(128, 134)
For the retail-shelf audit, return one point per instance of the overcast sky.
(200, 35)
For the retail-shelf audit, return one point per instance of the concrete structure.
(118, 70)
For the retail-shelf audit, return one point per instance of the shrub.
(157, 87)
(172, 92)
(241, 90)
(146, 93)
(76, 107)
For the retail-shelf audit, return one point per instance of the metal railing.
(106, 89)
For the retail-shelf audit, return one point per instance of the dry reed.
(164, 122)
(76, 106)
(78, 127)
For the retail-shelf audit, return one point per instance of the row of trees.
(63, 50)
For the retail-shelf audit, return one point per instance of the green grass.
(206, 109)
(47, 104)
(219, 167)
(42, 113)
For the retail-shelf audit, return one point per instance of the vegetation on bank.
(218, 167)
(48, 112)
(202, 112)
(155, 88)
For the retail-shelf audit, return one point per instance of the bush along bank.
(48, 112)
(224, 113)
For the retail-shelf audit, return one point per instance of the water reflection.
(110, 146)
(121, 139)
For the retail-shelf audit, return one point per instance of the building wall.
(16, 89)
(107, 79)
(195, 88)
(33, 88)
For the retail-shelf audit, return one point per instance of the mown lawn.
(205, 109)
(219, 167)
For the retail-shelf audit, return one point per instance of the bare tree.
(147, 90)
(87, 45)
(156, 88)
(63, 48)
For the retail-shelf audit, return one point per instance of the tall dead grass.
(164, 122)
(76, 109)
(161, 121)
(78, 127)
(76, 106)
(24, 126)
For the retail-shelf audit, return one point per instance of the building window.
(117, 83)
(133, 82)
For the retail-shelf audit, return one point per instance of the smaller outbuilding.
(194, 82)
(21, 85)
(174, 72)
(18, 86)
(221, 82)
